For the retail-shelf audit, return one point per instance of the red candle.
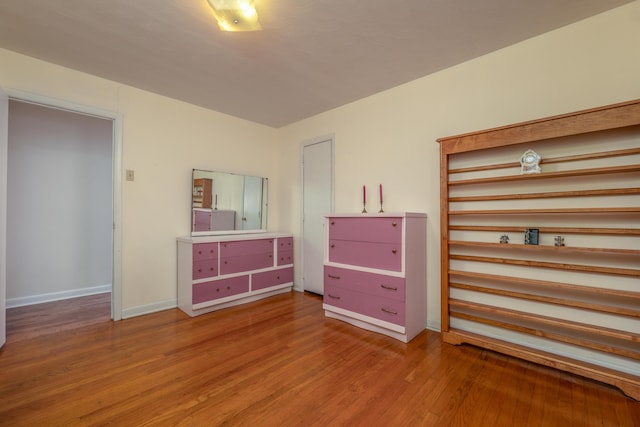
(380, 193)
(364, 194)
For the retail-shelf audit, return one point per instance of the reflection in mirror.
(225, 203)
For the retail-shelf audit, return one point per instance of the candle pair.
(364, 194)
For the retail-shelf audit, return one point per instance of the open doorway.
(63, 190)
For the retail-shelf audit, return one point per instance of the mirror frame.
(263, 204)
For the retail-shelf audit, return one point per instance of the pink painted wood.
(385, 256)
(217, 289)
(246, 247)
(382, 308)
(267, 279)
(370, 283)
(237, 264)
(205, 251)
(205, 268)
(382, 229)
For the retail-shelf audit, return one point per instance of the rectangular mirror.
(226, 203)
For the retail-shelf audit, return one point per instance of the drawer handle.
(199, 252)
(393, 224)
(331, 276)
(393, 251)
(333, 222)
(199, 270)
(333, 245)
(333, 296)
(386, 310)
(391, 288)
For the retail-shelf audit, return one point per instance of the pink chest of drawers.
(216, 272)
(375, 272)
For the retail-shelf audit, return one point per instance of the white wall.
(390, 138)
(163, 140)
(392, 134)
(59, 220)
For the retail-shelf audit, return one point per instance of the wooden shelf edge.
(544, 247)
(614, 271)
(627, 383)
(554, 230)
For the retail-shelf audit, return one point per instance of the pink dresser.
(375, 272)
(215, 272)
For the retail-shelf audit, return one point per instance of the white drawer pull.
(391, 288)
(386, 310)
(393, 224)
(333, 277)
(333, 296)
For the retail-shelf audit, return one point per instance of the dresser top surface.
(232, 237)
(378, 215)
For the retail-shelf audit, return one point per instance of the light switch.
(129, 175)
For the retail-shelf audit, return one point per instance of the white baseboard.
(434, 325)
(57, 296)
(149, 308)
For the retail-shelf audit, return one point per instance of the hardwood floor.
(276, 362)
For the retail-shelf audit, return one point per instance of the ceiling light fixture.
(235, 15)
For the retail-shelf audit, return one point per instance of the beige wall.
(390, 138)
(392, 134)
(163, 139)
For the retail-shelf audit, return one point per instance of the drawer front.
(238, 264)
(285, 244)
(209, 291)
(387, 230)
(205, 251)
(389, 310)
(285, 257)
(267, 279)
(385, 256)
(201, 221)
(246, 247)
(369, 283)
(205, 268)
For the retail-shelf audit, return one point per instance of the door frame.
(329, 137)
(116, 286)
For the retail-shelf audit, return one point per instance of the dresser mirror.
(227, 203)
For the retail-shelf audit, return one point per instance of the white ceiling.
(312, 56)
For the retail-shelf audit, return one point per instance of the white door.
(317, 199)
(4, 146)
(251, 215)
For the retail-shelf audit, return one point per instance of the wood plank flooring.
(275, 362)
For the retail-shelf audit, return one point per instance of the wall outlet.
(129, 175)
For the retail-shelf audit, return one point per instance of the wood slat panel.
(558, 329)
(542, 248)
(552, 230)
(547, 211)
(548, 195)
(545, 283)
(552, 265)
(548, 175)
(564, 159)
(567, 302)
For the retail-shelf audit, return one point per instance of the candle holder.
(381, 210)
